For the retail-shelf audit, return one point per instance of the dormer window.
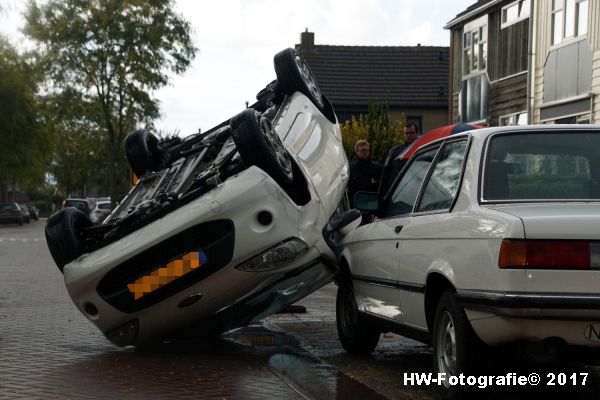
(475, 46)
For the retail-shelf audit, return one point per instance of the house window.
(417, 120)
(513, 119)
(515, 12)
(475, 46)
(575, 119)
(569, 19)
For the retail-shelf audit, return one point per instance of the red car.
(10, 213)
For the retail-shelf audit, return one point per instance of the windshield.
(543, 166)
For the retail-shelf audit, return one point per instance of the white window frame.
(475, 29)
(513, 119)
(522, 11)
(563, 6)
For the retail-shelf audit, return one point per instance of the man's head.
(411, 132)
(362, 149)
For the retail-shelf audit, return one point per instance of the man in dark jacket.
(393, 164)
(365, 174)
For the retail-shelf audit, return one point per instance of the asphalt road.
(49, 350)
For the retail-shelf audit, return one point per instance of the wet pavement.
(384, 370)
(49, 350)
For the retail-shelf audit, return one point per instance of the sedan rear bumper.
(503, 317)
(517, 304)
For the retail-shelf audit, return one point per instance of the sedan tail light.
(549, 254)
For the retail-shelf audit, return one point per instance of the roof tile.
(414, 76)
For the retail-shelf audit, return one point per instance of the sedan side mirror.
(334, 230)
(346, 218)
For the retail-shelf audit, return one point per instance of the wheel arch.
(435, 286)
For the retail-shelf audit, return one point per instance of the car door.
(429, 229)
(376, 253)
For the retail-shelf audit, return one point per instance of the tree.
(376, 128)
(113, 54)
(23, 141)
(79, 152)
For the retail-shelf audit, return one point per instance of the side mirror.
(368, 202)
(334, 230)
(344, 219)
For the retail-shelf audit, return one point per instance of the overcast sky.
(237, 40)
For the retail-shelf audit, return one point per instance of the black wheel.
(294, 75)
(21, 221)
(142, 152)
(259, 144)
(456, 347)
(355, 334)
(64, 235)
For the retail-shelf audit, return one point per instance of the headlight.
(277, 257)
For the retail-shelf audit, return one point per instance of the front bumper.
(215, 239)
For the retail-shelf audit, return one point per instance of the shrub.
(376, 128)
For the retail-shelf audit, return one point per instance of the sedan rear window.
(8, 207)
(77, 204)
(543, 166)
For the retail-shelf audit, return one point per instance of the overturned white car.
(223, 227)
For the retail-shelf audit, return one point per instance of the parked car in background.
(487, 237)
(101, 211)
(25, 213)
(33, 211)
(11, 213)
(223, 227)
(83, 205)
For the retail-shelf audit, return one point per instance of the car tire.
(64, 235)
(294, 75)
(456, 347)
(258, 144)
(355, 334)
(143, 154)
(21, 221)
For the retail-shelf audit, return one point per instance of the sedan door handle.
(398, 229)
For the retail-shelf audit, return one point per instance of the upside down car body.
(222, 229)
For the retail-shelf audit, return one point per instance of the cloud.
(238, 39)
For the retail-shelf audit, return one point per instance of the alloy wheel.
(446, 345)
(276, 146)
(309, 80)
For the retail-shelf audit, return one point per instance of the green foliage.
(376, 128)
(23, 140)
(108, 56)
(79, 155)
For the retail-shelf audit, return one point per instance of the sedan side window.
(442, 187)
(405, 193)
